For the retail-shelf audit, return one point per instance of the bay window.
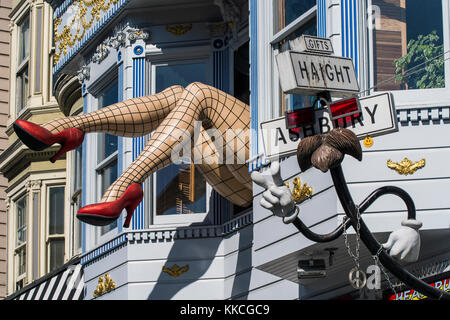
(408, 44)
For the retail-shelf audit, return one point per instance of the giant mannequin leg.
(218, 175)
(130, 118)
(198, 102)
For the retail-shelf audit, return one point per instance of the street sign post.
(377, 117)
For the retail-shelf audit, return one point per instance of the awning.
(64, 283)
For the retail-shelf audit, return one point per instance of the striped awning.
(64, 283)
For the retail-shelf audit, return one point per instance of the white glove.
(277, 197)
(404, 244)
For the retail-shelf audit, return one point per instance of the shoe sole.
(29, 140)
(95, 220)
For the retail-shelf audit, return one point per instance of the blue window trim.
(254, 77)
(137, 222)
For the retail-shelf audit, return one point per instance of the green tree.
(426, 52)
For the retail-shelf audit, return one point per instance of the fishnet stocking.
(130, 118)
(197, 102)
(168, 112)
(219, 175)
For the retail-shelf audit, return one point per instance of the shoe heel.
(69, 140)
(61, 151)
(130, 209)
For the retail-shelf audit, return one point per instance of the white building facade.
(208, 248)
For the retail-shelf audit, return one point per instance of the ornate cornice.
(75, 23)
(122, 37)
(35, 184)
(231, 13)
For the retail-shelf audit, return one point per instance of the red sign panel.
(344, 108)
(299, 118)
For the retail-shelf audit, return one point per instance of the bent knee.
(199, 88)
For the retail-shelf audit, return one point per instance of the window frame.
(24, 245)
(163, 59)
(417, 97)
(59, 236)
(22, 99)
(300, 22)
(75, 194)
(110, 77)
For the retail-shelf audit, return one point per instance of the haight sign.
(308, 74)
(378, 117)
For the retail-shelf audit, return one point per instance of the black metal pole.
(373, 245)
(321, 238)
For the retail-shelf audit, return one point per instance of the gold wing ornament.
(178, 29)
(406, 166)
(175, 270)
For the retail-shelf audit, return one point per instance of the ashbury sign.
(377, 117)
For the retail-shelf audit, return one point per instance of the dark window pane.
(109, 175)
(293, 101)
(289, 10)
(38, 50)
(181, 189)
(24, 49)
(22, 89)
(108, 143)
(78, 172)
(56, 211)
(21, 221)
(409, 45)
(56, 250)
(21, 257)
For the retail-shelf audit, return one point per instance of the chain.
(378, 263)
(358, 227)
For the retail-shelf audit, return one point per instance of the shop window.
(22, 81)
(107, 146)
(55, 239)
(20, 251)
(408, 45)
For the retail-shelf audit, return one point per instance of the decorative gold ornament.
(300, 193)
(406, 166)
(368, 142)
(86, 12)
(175, 270)
(104, 286)
(179, 29)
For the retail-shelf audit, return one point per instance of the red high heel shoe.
(38, 138)
(102, 214)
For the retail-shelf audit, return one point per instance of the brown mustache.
(326, 151)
